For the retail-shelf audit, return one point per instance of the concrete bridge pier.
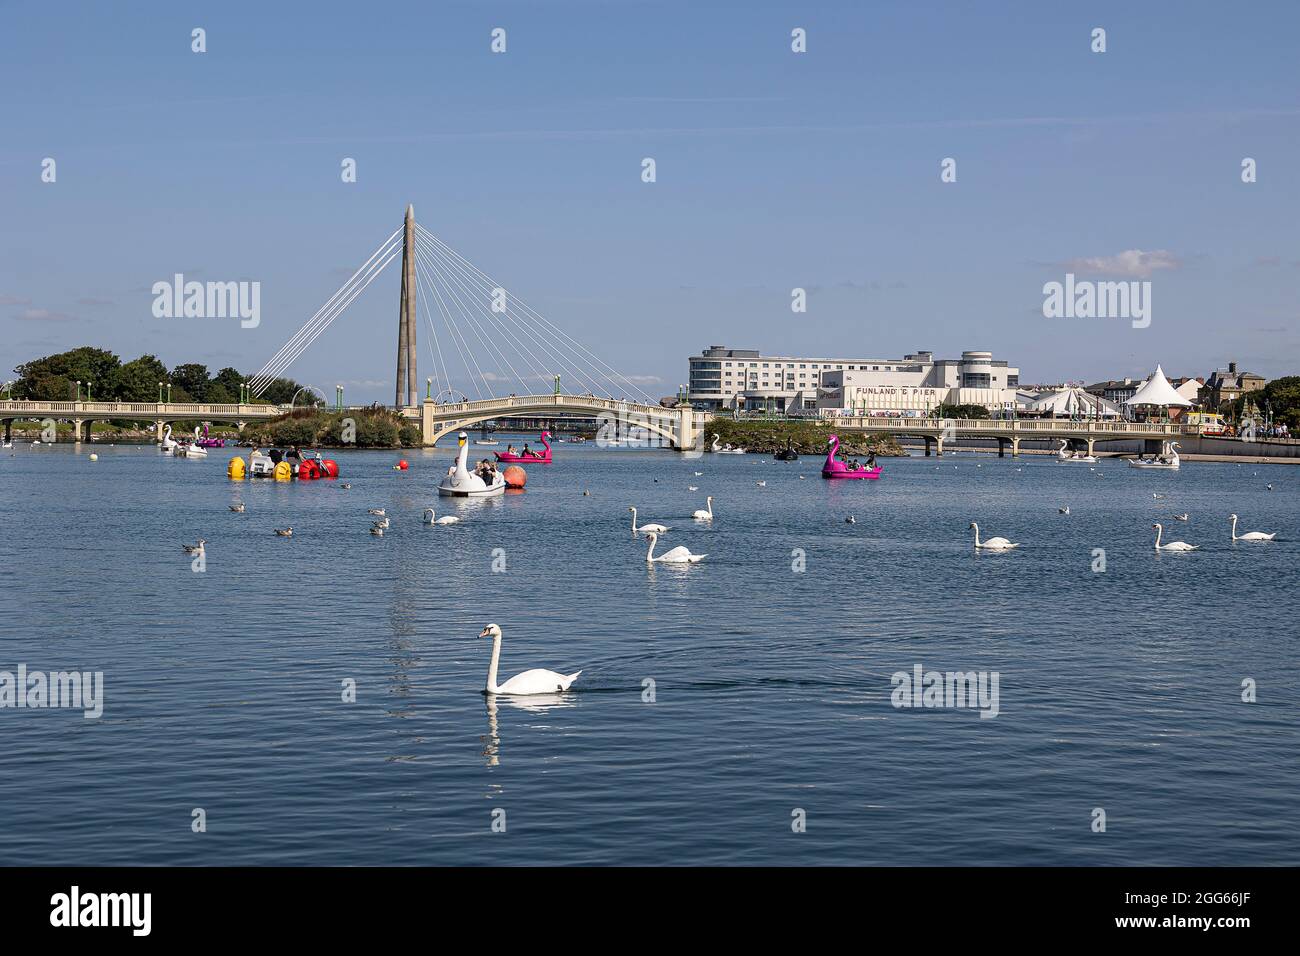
(938, 446)
(76, 430)
(685, 428)
(1015, 447)
(158, 430)
(1002, 448)
(1091, 443)
(9, 429)
(427, 428)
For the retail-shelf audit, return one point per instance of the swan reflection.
(533, 703)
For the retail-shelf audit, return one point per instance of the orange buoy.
(516, 477)
(402, 465)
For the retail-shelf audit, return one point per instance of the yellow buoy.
(235, 470)
(283, 471)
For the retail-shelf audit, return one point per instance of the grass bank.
(807, 438)
(315, 428)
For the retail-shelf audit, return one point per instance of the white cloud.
(1131, 263)
(44, 315)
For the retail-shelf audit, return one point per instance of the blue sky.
(775, 170)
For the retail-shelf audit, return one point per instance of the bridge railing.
(581, 402)
(1017, 426)
(149, 410)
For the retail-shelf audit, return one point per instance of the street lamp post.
(338, 396)
(88, 384)
(78, 389)
(160, 393)
(428, 389)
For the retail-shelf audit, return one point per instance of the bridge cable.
(445, 271)
(463, 277)
(599, 364)
(493, 352)
(457, 339)
(261, 379)
(326, 321)
(332, 299)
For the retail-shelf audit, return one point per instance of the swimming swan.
(992, 544)
(431, 518)
(1250, 535)
(677, 555)
(529, 682)
(701, 515)
(1172, 545)
(648, 528)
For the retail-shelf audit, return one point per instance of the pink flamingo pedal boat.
(834, 468)
(206, 441)
(536, 457)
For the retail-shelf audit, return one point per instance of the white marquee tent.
(1074, 402)
(1157, 391)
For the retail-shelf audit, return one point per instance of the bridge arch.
(451, 426)
(442, 420)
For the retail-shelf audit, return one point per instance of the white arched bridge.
(681, 427)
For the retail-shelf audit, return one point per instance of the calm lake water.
(772, 687)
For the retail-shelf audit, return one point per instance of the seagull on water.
(194, 548)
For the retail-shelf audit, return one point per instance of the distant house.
(1117, 391)
(1225, 386)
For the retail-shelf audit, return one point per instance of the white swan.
(1250, 535)
(431, 518)
(992, 544)
(648, 528)
(677, 555)
(702, 515)
(529, 682)
(1172, 545)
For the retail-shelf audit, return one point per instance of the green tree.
(137, 380)
(193, 379)
(229, 380)
(54, 377)
(961, 411)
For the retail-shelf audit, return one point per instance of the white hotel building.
(723, 379)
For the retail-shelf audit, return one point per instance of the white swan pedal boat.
(460, 482)
(1167, 460)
